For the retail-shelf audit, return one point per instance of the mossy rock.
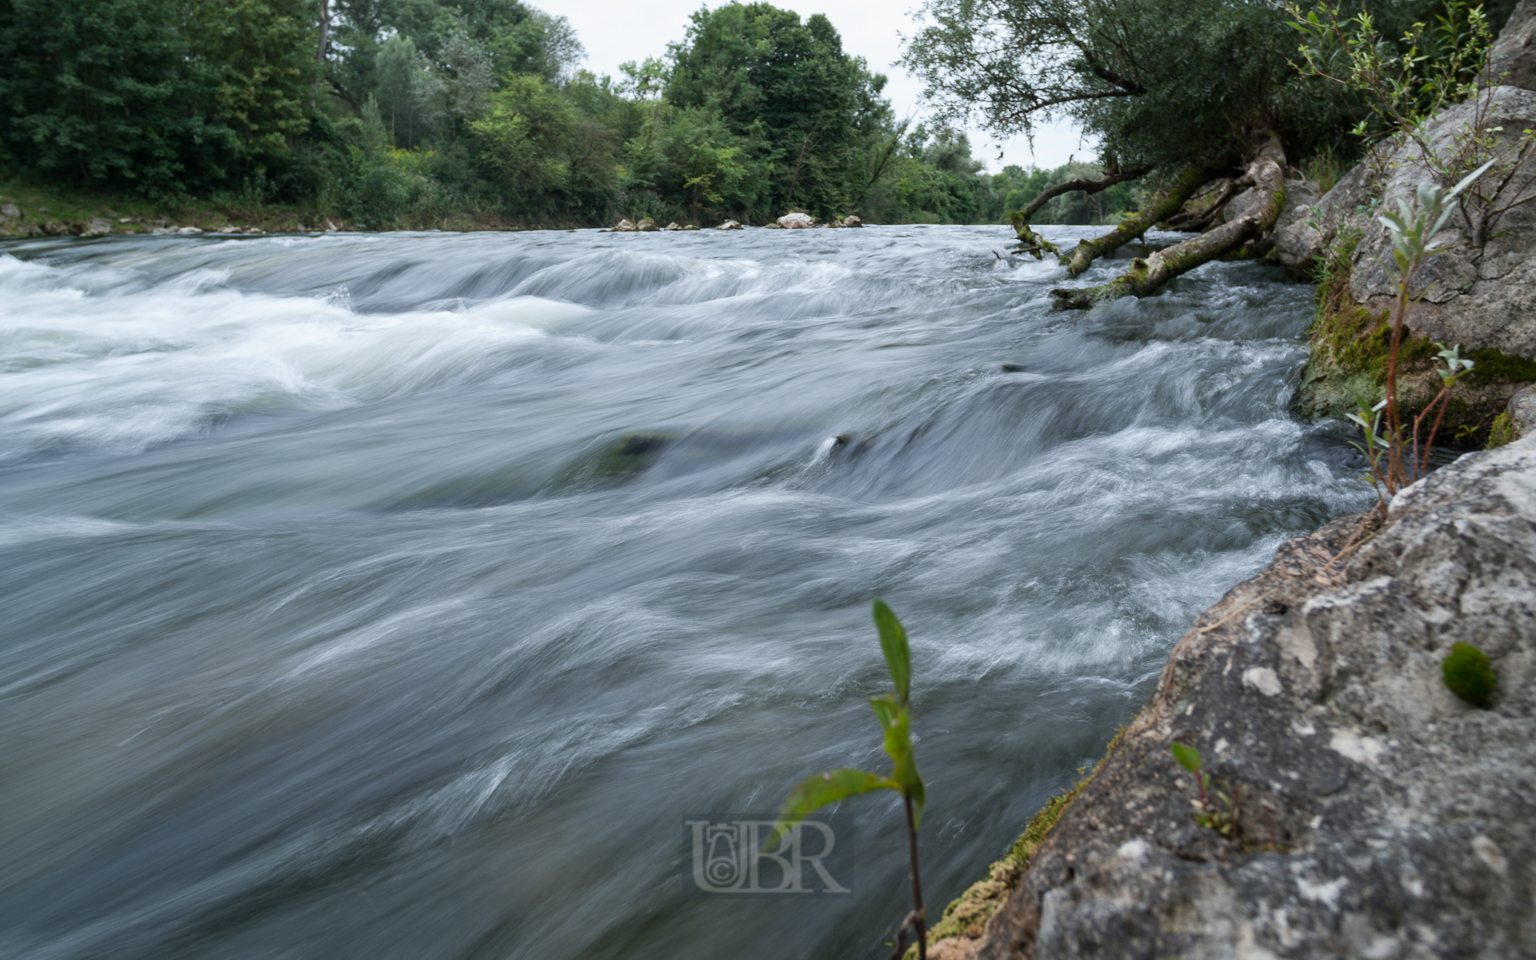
(1349, 347)
(1469, 674)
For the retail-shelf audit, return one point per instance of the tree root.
(1166, 205)
(1147, 276)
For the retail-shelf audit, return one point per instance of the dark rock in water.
(1011, 368)
(1378, 814)
(637, 444)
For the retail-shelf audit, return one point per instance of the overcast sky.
(614, 32)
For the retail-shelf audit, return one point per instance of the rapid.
(401, 595)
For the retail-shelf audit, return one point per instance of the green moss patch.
(1469, 674)
(1349, 347)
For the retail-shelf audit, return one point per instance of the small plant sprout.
(1208, 801)
(894, 712)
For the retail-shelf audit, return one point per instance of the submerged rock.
(1379, 814)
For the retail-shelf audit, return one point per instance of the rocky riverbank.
(1379, 815)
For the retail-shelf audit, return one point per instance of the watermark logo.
(736, 855)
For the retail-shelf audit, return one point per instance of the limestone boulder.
(797, 221)
(1380, 815)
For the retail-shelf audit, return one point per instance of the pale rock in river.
(797, 221)
(729, 225)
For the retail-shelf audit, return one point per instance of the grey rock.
(9, 211)
(673, 226)
(1481, 291)
(1300, 241)
(797, 221)
(97, 227)
(1512, 61)
(647, 225)
(1522, 409)
(1479, 297)
(852, 221)
(1382, 816)
(729, 225)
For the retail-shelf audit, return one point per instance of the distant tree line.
(398, 112)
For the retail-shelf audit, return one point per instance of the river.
(400, 595)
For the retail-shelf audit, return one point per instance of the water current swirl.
(398, 596)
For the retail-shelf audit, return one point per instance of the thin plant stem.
(1394, 421)
(917, 885)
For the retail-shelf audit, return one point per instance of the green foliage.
(1469, 674)
(100, 92)
(755, 111)
(1187, 756)
(1214, 809)
(1163, 83)
(893, 711)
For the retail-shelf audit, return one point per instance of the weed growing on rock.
(1214, 809)
(1469, 674)
(1396, 460)
(894, 712)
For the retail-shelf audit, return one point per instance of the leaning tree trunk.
(1165, 206)
(1036, 244)
(1267, 172)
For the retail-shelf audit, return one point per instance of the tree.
(159, 95)
(789, 89)
(1186, 90)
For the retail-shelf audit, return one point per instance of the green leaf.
(1188, 757)
(816, 792)
(896, 720)
(893, 641)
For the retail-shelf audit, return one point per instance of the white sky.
(614, 32)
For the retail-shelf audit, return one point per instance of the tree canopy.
(402, 111)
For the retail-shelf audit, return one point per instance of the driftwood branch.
(1147, 276)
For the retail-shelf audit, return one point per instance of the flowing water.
(399, 596)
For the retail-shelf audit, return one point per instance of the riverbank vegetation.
(1201, 103)
(464, 113)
